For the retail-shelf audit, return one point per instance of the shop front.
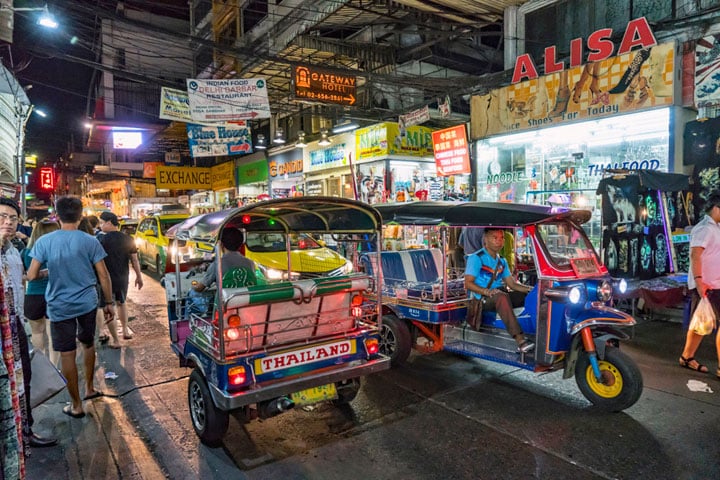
(252, 179)
(396, 166)
(285, 173)
(551, 140)
(329, 167)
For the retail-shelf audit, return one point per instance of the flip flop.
(97, 394)
(67, 410)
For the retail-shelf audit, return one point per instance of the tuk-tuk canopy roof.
(305, 214)
(462, 214)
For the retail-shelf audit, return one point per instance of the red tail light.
(372, 346)
(237, 376)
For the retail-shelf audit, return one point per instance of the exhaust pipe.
(274, 407)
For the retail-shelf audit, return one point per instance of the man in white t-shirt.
(704, 274)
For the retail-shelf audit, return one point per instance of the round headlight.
(575, 295)
(604, 291)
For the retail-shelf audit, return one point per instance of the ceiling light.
(279, 137)
(345, 125)
(260, 144)
(301, 140)
(47, 19)
(324, 140)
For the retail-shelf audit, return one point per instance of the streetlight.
(46, 19)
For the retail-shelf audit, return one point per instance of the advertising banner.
(286, 165)
(182, 178)
(330, 157)
(416, 117)
(707, 71)
(218, 140)
(384, 139)
(638, 80)
(150, 169)
(222, 176)
(229, 99)
(254, 172)
(451, 151)
(174, 105)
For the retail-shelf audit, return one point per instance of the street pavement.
(439, 417)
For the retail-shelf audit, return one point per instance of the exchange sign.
(324, 86)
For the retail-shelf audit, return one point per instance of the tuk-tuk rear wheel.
(395, 339)
(621, 381)
(347, 390)
(209, 423)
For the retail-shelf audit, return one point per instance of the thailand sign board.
(227, 100)
(323, 86)
(451, 151)
(218, 140)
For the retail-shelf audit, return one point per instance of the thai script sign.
(229, 99)
(451, 151)
(254, 172)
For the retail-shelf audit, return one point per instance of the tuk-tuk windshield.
(565, 242)
(275, 242)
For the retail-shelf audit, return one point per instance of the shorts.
(64, 332)
(35, 307)
(119, 294)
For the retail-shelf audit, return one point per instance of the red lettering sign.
(637, 34)
(450, 148)
(47, 178)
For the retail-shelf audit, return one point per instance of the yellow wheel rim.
(611, 384)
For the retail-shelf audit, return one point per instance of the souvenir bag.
(475, 305)
(46, 380)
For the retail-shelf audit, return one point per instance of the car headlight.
(604, 291)
(275, 274)
(575, 295)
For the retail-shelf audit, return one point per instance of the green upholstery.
(240, 277)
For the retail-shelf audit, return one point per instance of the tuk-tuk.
(261, 346)
(568, 313)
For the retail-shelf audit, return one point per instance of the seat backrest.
(239, 277)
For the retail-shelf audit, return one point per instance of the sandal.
(686, 363)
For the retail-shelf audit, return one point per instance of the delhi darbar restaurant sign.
(633, 80)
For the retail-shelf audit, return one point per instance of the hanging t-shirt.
(700, 145)
(619, 198)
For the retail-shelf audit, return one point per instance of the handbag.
(46, 380)
(475, 305)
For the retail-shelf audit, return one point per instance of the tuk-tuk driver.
(231, 240)
(486, 272)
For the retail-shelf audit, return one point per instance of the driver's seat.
(240, 277)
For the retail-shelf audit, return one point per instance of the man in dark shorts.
(73, 260)
(121, 251)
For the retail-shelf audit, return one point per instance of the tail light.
(372, 346)
(237, 376)
(356, 306)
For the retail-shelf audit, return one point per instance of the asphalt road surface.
(439, 417)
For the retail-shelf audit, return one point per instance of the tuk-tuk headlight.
(604, 291)
(575, 295)
(348, 267)
(622, 286)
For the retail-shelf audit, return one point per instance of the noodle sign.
(324, 86)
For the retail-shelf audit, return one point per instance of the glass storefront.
(563, 165)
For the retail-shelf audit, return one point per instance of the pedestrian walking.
(121, 251)
(73, 259)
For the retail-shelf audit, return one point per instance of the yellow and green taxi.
(150, 239)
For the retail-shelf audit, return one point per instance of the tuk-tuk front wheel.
(395, 339)
(620, 385)
(209, 423)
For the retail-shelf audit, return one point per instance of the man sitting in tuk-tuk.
(486, 272)
(233, 261)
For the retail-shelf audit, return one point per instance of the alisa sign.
(637, 34)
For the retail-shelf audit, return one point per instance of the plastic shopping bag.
(703, 320)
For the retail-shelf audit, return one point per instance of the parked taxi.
(150, 239)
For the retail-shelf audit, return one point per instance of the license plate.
(314, 395)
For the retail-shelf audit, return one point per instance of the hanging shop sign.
(286, 164)
(416, 117)
(253, 172)
(383, 139)
(451, 151)
(47, 178)
(324, 86)
(150, 169)
(229, 99)
(215, 140)
(174, 105)
(637, 34)
(632, 82)
(707, 71)
(325, 158)
(222, 176)
(182, 178)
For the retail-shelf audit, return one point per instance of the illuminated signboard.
(47, 178)
(451, 151)
(126, 140)
(324, 86)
